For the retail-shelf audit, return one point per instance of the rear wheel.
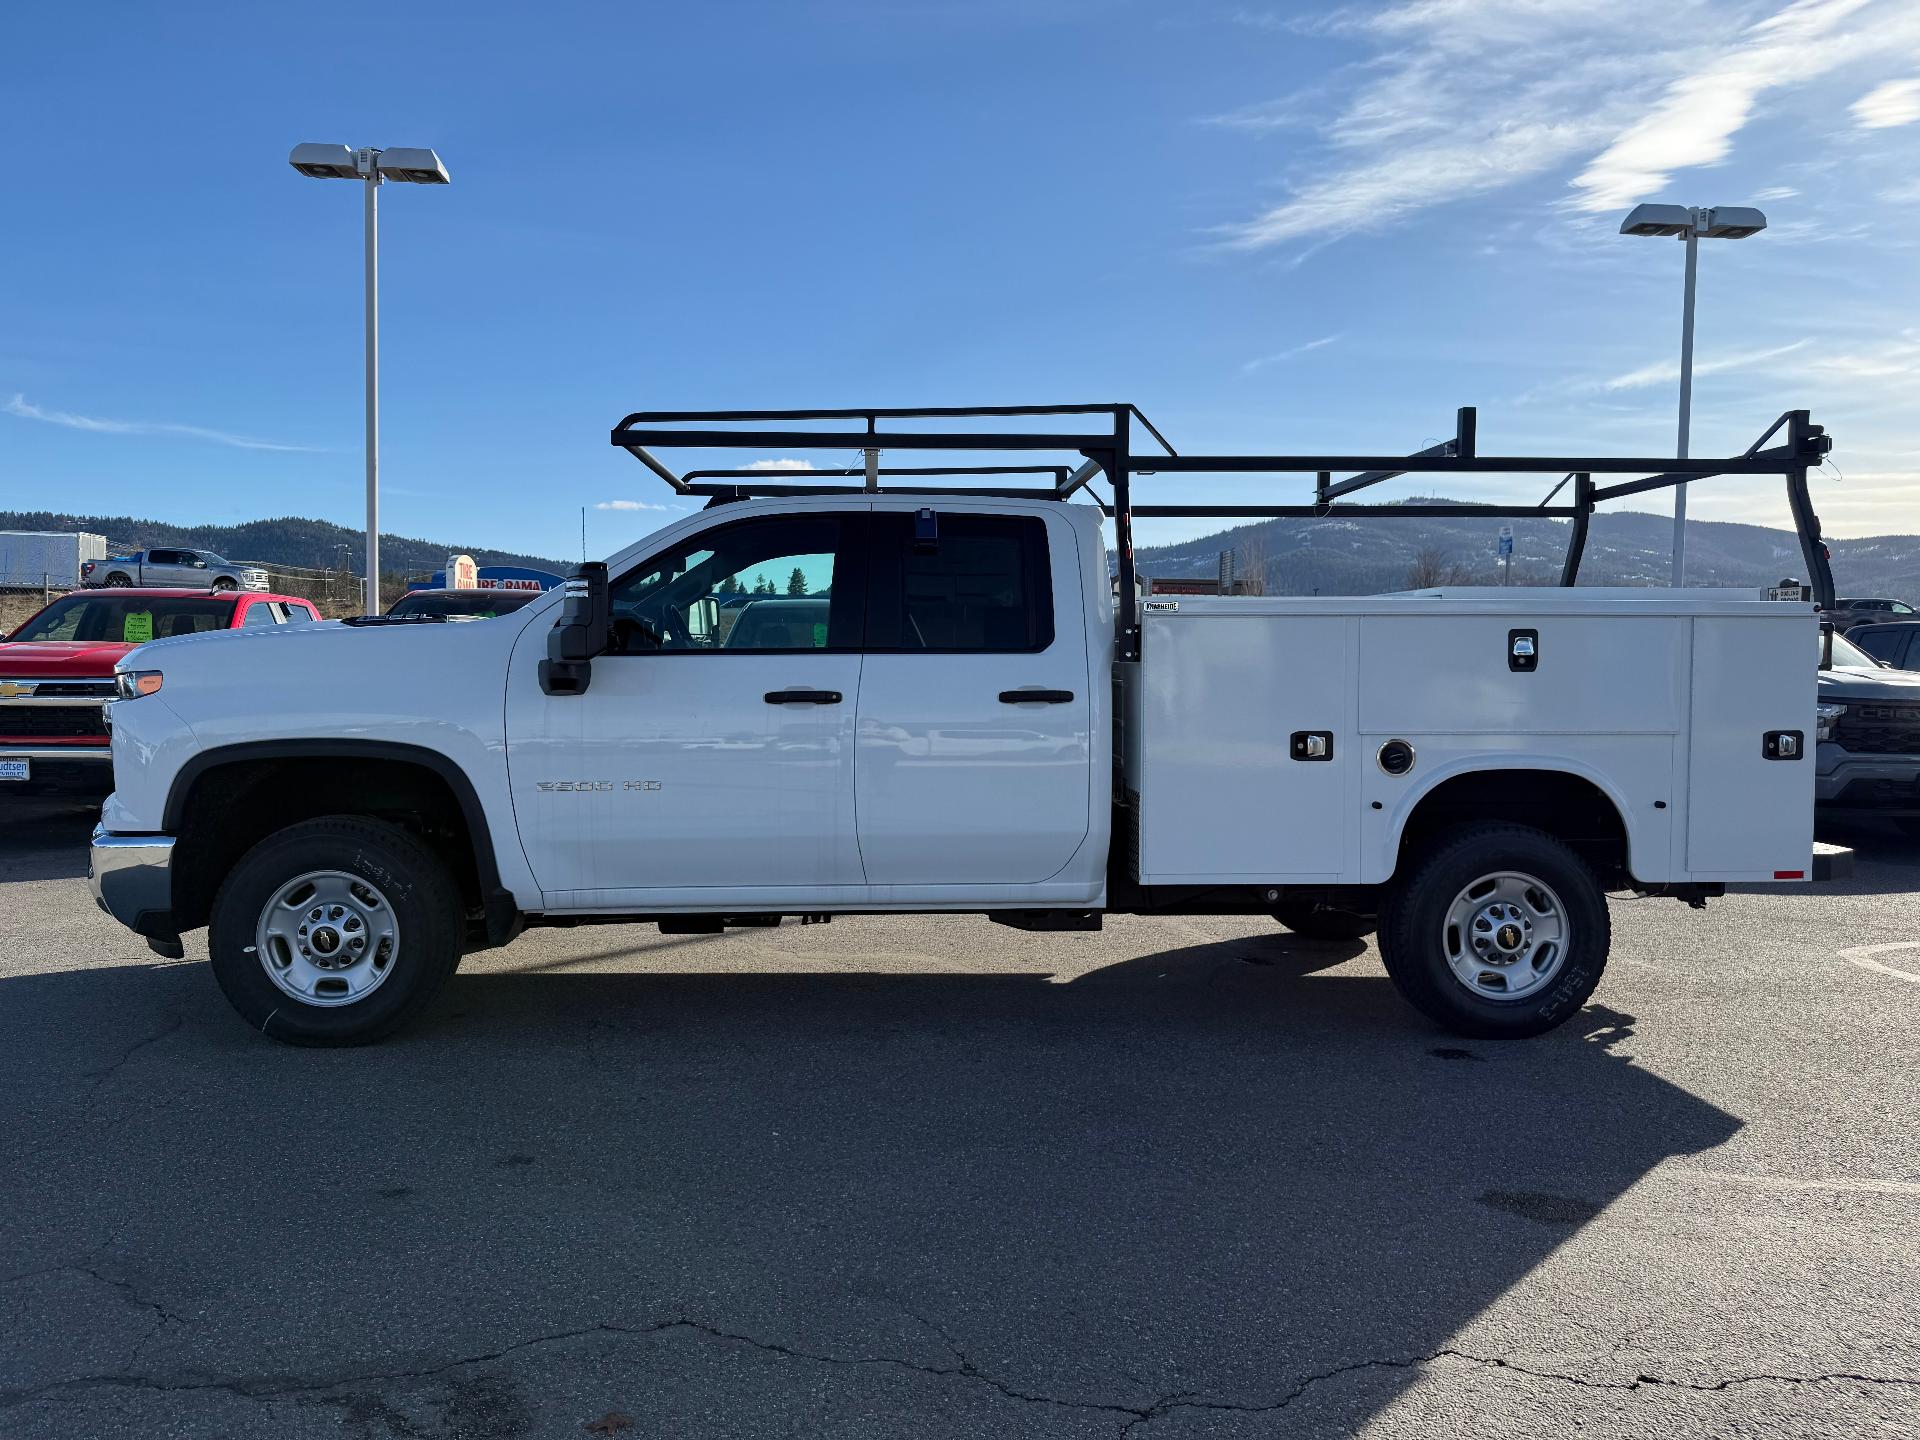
(1498, 931)
(118, 579)
(335, 931)
(1311, 921)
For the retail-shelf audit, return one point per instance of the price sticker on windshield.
(138, 628)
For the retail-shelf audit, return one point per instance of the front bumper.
(60, 769)
(132, 880)
(1866, 784)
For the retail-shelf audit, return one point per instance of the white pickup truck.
(865, 699)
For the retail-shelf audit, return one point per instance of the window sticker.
(819, 637)
(138, 628)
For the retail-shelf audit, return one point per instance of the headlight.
(1824, 716)
(132, 684)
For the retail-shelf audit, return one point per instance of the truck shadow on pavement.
(1180, 1194)
(46, 838)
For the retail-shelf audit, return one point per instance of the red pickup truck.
(56, 674)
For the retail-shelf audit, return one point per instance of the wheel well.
(1567, 807)
(231, 807)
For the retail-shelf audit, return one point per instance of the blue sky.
(1272, 227)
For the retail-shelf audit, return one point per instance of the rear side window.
(259, 613)
(981, 585)
(1889, 644)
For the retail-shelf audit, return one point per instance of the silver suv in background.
(1858, 610)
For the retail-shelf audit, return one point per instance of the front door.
(975, 749)
(711, 760)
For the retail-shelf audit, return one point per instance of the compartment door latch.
(1311, 745)
(1523, 650)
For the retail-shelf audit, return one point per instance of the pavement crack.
(100, 1077)
(266, 1389)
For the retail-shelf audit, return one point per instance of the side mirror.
(584, 630)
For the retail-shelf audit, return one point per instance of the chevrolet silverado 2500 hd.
(948, 705)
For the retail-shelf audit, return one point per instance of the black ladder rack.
(1101, 437)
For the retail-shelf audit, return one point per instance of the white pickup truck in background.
(944, 707)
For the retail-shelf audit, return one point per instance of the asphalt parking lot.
(930, 1177)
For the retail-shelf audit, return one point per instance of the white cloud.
(1459, 98)
(629, 505)
(1664, 371)
(781, 464)
(1895, 103)
(1287, 354)
(1695, 121)
(1775, 192)
(1891, 360)
(20, 406)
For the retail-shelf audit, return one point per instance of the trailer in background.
(46, 560)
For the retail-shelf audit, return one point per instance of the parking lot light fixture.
(1691, 224)
(371, 167)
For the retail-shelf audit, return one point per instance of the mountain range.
(287, 541)
(1367, 556)
(1295, 557)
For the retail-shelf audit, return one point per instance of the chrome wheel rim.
(1506, 935)
(327, 938)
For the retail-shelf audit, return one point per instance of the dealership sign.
(490, 577)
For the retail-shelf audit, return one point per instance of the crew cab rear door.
(973, 758)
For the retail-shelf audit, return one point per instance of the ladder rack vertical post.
(1577, 540)
(1117, 463)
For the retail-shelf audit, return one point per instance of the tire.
(225, 582)
(394, 892)
(1315, 922)
(118, 579)
(1543, 888)
(1908, 825)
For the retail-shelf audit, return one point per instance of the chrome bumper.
(92, 754)
(132, 880)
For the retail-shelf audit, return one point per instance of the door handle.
(1036, 697)
(803, 697)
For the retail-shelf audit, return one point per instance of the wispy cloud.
(1775, 192)
(1695, 121)
(1895, 103)
(1891, 360)
(24, 409)
(780, 464)
(1459, 98)
(1289, 353)
(1663, 372)
(630, 505)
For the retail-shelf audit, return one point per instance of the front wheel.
(225, 582)
(335, 931)
(1500, 931)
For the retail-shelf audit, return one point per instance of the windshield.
(481, 604)
(1845, 652)
(125, 619)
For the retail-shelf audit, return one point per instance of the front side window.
(780, 583)
(977, 584)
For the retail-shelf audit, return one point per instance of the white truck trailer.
(46, 559)
(937, 699)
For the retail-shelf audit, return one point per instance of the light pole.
(371, 167)
(1691, 224)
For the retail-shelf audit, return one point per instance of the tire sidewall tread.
(415, 881)
(1410, 925)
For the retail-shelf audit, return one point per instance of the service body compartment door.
(1749, 816)
(958, 781)
(1225, 797)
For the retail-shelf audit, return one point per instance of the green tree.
(797, 582)
(730, 586)
(764, 586)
